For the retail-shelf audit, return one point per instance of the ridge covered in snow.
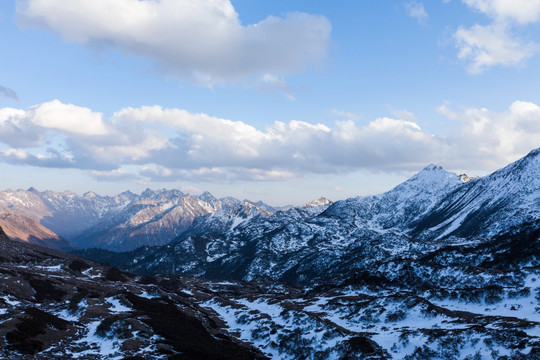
(433, 209)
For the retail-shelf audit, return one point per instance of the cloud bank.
(171, 144)
(203, 41)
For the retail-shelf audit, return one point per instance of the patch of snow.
(10, 302)
(67, 315)
(235, 222)
(147, 295)
(88, 273)
(106, 348)
(117, 306)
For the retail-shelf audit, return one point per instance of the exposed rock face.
(18, 227)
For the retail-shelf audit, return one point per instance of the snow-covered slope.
(466, 302)
(431, 210)
(486, 206)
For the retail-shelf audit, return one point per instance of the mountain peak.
(532, 158)
(432, 167)
(147, 193)
(432, 178)
(319, 202)
(466, 178)
(90, 195)
(434, 173)
(535, 152)
(207, 196)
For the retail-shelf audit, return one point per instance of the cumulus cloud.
(520, 11)
(488, 140)
(171, 144)
(416, 10)
(9, 93)
(483, 46)
(203, 41)
(486, 46)
(68, 118)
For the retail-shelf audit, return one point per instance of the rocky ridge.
(431, 210)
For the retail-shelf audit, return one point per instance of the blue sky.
(282, 101)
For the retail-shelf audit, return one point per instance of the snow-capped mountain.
(440, 267)
(65, 213)
(125, 221)
(484, 207)
(433, 209)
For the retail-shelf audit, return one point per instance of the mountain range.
(443, 266)
(122, 222)
(433, 209)
(169, 231)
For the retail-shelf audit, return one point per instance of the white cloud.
(15, 154)
(488, 140)
(486, 46)
(17, 130)
(446, 111)
(520, 11)
(416, 10)
(203, 40)
(157, 173)
(191, 189)
(483, 46)
(172, 144)
(68, 118)
(52, 159)
(275, 83)
(88, 139)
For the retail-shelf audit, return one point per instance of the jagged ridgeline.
(323, 241)
(443, 266)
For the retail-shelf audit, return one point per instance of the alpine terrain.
(443, 266)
